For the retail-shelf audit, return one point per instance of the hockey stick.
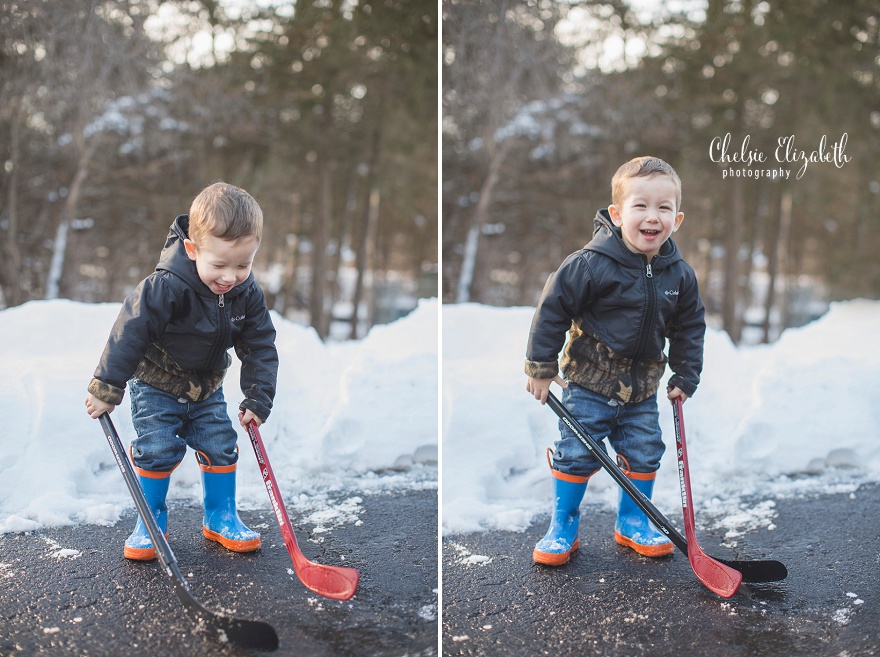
(755, 571)
(336, 582)
(253, 635)
(717, 577)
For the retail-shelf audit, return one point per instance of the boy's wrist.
(540, 370)
(258, 409)
(107, 393)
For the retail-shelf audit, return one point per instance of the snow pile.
(795, 417)
(343, 412)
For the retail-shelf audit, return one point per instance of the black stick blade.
(760, 571)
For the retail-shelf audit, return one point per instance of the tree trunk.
(320, 238)
(370, 217)
(10, 263)
(480, 217)
(68, 214)
(730, 315)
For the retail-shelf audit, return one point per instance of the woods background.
(114, 115)
(543, 100)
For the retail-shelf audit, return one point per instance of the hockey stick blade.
(248, 634)
(334, 582)
(753, 571)
(758, 571)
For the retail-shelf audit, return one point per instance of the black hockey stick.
(755, 571)
(249, 634)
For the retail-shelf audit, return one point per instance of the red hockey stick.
(336, 582)
(717, 577)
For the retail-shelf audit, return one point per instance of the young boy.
(620, 298)
(170, 345)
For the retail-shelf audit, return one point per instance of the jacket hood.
(608, 240)
(175, 260)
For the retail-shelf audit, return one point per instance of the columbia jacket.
(619, 310)
(174, 334)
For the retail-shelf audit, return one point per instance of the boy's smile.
(648, 215)
(223, 264)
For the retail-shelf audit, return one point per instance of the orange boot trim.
(236, 546)
(554, 558)
(645, 550)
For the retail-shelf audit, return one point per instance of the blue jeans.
(632, 429)
(165, 425)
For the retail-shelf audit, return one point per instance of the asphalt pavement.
(609, 601)
(56, 602)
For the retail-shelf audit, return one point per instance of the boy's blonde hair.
(226, 212)
(642, 167)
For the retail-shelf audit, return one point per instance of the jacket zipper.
(222, 330)
(647, 323)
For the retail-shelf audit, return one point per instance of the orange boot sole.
(235, 546)
(554, 558)
(645, 550)
(140, 554)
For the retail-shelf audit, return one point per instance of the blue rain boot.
(633, 528)
(139, 546)
(561, 538)
(221, 522)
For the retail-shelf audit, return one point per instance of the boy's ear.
(190, 247)
(678, 219)
(614, 213)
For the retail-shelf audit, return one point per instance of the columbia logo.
(671, 293)
(238, 318)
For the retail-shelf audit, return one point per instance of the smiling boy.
(170, 344)
(619, 298)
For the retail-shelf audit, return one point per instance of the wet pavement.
(53, 602)
(609, 601)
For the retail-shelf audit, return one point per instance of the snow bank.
(342, 412)
(793, 417)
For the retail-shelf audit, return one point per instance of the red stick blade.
(715, 576)
(334, 582)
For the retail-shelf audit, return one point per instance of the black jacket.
(174, 333)
(619, 309)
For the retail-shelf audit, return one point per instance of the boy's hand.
(672, 392)
(540, 388)
(246, 416)
(96, 408)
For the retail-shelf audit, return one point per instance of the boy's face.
(648, 215)
(223, 264)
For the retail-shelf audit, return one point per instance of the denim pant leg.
(592, 410)
(637, 436)
(158, 418)
(209, 430)
(632, 429)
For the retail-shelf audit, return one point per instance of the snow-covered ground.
(350, 418)
(796, 417)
